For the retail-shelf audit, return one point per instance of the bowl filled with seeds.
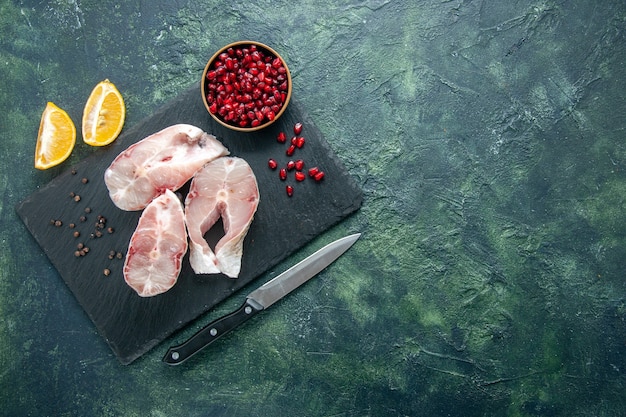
(246, 86)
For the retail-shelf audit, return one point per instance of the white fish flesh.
(226, 188)
(165, 160)
(156, 249)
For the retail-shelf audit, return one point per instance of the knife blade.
(260, 299)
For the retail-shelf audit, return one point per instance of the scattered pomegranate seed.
(297, 165)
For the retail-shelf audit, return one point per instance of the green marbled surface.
(489, 140)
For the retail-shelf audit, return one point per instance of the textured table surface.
(488, 139)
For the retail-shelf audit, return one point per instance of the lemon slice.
(56, 138)
(104, 114)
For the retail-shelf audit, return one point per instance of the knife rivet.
(213, 331)
(175, 356)
(248, 310)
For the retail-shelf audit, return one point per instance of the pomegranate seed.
(300, 142)
(291, 165)
(300, 176)
(299, 164)
(297, 128)
(289, 190)
(272, 164)
(313, 171)
(281, 138)
(294, 140)
(246, 75)
(290, 150)
(319, 176)
(282, 174)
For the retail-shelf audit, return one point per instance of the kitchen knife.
(261, 298)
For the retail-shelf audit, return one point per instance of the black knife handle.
(178, 354)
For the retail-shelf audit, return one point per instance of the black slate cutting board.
(133, 325)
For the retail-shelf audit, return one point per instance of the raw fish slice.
(157, 246)
(163, 161)
(226, 188)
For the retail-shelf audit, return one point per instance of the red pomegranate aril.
(300, 142)
(281, 138)
(289, 190)
(294, 140)
(272, 164)
(290, 150)
(300, 176)
(299, 164)
(282, 174)
(291, 165)
(313, 171)
(248, 80)
(319, 176)
(297, 128)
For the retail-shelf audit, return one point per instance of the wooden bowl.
(246, 86)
